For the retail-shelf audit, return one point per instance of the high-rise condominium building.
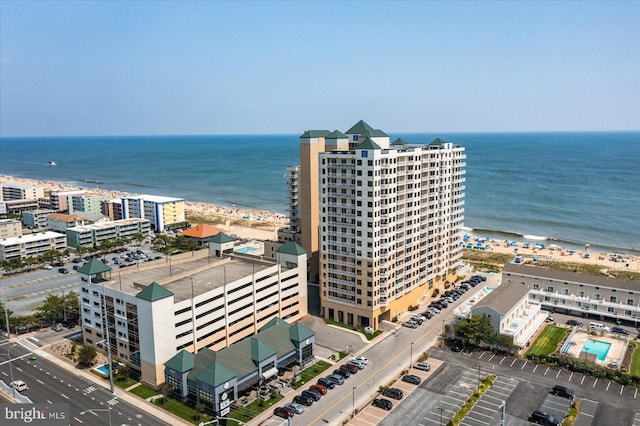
(384, 220)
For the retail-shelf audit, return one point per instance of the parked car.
(58, 264)
(480, 277)
(362, 359)
(76, 267)
(427, 314)
(457, 346)
(297, 408)
(422, 366)
(575, 323)
(410, 378)
(57, 327)
(303, 400)
(394, 393)
(313, 394)
(357, 363)
(63, 270)
(336, 379)
(383, 403)
(284, 412)
(324, 381)
(350, 368)
(416, 317)
(620, 330)
(410, 324)
(47, 266)
(21, 329)
(543, 418)
(563, 392)
(318, 388)
(549, 318)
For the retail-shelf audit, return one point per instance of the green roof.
(260, 350)
(362, 128)
(274, 321)
(221, 238)
(182, 361)
(299, 332)
(399, 141)
(201, 361)
(315, 134)
(215, 374)
(437, 141)
(154, 292)
(368, 144)
(93, 267)
(291, 247)
(337, 134)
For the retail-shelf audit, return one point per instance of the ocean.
(569, 188)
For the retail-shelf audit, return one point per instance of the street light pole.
(6, 317)
(411, 359)
(13, 390)
(354, 400)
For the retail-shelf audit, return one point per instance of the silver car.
(299, 409)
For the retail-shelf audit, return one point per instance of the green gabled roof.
(93, 267)
(221, 237)
(299, 332)
(202, 360)
(362, 128)
(182, 362)
(315, 134)
(154, 292)
(291, 247)
(368, 144)
(336, 134)
(260, 350)
(215, 374)
(399, 141)
(437, 141)
(272, 322)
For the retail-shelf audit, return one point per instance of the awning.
(269, 373)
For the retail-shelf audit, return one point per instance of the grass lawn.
(124, 382)
(256, 407)
(144, 391)
(548, 341)
(634, 368)
(308, 374)
(181, 410)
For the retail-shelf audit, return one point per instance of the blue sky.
(147, 68)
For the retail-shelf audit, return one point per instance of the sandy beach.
(240, 222)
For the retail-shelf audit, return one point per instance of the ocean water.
(570, 188)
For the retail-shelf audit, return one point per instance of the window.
(613, 299)
(550, 289)
(356, 138)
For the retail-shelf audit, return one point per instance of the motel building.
(205, 300)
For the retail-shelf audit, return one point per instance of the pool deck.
(616, 351)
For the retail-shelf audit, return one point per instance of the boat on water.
(52, 163)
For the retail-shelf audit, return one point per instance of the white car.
(47, 266)
(362, 359)
(19, 385)
(422, 366)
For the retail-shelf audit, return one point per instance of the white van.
(598, 327)
(19, 385)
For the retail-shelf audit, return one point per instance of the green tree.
(52, 255)
(86, 355)
(11, 265)
(29, 262)
(162, 242)
(139, 238)
(475, 329)
(52, 309)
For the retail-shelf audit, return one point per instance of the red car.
(349, 367)
(319, 388)
(284, 412)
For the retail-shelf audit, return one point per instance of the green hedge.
(468, 405)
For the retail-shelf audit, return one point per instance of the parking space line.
(559, 371)
(582, 381)
(535, 368)
(514, 361)
(570, 376)
(635, 394)
(545, 372)
(525, 363)
(608, 384)
(482, 354)
(594, 383)
(621, 389)
(502, 360)
(479, 421)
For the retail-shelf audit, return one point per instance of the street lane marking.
(39, 381)
(78, 420)
(64, 396)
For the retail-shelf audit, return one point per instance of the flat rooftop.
(110, 224)
(32, 237)
(153, 198)
(208, 274)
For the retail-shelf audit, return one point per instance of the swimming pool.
(103, 369)
(596, 347)
(245, 250)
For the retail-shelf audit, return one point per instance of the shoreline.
(243, 222)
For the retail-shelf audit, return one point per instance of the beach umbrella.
(515, 250)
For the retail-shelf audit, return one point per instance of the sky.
(183, 68)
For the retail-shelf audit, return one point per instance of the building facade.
(205, 299)
(18, 191)
(112, 209)
(60, 200)
(60, 222)
(92, 235)
(36, 218)
(160, 211)
(10, 228)
(87, 203)
(387, 224)
(31, 245)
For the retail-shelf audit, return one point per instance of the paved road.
(49, 383)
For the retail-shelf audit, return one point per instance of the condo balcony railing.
(341, 300)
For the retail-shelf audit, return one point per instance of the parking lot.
(487, 409)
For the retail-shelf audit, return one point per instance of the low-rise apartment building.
(18, 191)
(10, 228)
(31, 245)
(205, 299)
(92, 235)
(60, 222)
(59, 200)
(87, 203)
(36, 218)
(590, 296)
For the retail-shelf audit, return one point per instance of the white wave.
(466, 228)
(534, 237)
